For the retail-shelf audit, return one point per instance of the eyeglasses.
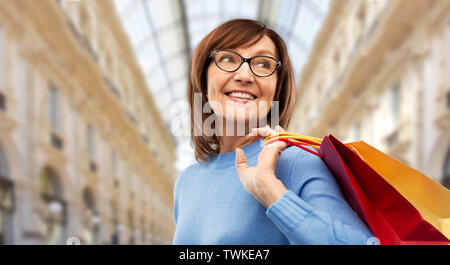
(230, 61)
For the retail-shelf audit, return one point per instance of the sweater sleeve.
(319, 214)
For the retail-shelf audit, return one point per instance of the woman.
(240, 191)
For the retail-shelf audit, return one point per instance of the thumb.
(241, 161)
(279, 129)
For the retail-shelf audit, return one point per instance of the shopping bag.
(390, 217)
(431, 199)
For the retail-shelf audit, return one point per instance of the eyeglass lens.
(260, 65)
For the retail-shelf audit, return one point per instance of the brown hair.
(233, 34)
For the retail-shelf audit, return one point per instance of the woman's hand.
(260, 181)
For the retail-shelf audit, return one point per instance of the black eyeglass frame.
(243, 60)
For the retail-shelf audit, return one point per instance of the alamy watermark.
(223, 119)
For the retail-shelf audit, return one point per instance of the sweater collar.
(223, 160)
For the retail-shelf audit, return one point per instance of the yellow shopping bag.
(431, 199)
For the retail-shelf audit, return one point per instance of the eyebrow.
(263, 51)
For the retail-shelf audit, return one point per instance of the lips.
(241, 91)
(239, 100)
(241, 96)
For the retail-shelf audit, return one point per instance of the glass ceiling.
(165, 33)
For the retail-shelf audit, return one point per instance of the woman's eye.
(262, 64)
(226, 59)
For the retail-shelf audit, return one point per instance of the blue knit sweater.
(212, 207)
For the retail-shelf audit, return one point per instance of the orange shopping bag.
(430, 198)
(389, 214)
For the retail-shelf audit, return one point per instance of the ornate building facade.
(83, 150)
(380, 72)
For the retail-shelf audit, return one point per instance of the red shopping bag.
(390, 217)
(385, 211)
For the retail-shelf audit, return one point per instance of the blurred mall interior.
(89, 90)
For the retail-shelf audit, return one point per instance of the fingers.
(281, 145)
(279, 129)
(271, 152)
(270, 155)
(261, 132)
(241, 161)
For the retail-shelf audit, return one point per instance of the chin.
(243, 118)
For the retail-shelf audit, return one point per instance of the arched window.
(115, 237)
(55, 210)
(6, 201)
(132, 239)
(360, 22)
(92, 219)
(54, 108)
(395, 102)
(86, 30)
(446, 178)
(4, 169)
(91, 141)
(143, 228)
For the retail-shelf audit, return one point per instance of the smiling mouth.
(240, 97)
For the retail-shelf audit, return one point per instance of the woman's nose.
(244, 74)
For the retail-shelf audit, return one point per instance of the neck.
(228, 142)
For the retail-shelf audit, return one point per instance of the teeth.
(241, 95)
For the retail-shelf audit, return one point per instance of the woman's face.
(238, 107)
